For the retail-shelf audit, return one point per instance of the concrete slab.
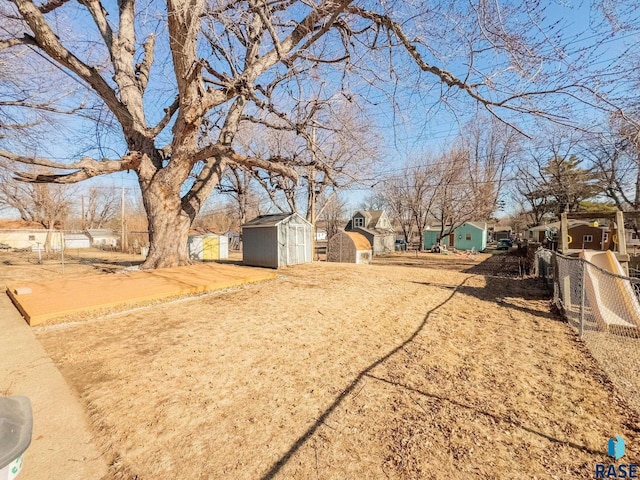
(62, 445)
(55, 299)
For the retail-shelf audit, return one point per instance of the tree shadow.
(227, 261)
(502, 291)
(284, 459)
(507, 264)
(497, 418)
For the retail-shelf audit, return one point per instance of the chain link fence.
(603, 308)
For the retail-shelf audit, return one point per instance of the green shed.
(465, 237)
(471, 235)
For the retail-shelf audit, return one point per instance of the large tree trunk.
(169, 226)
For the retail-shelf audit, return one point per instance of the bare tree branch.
(86, 168)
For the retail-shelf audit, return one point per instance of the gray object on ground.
(16, 424)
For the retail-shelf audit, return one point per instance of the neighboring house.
(103, 238)
(375, 226)
(581, 234)
(632, 238)
(320, 232)
(501, 233)
(28, 235)
(77, 240)
(233, 239)
(468, 236)
(276, 241)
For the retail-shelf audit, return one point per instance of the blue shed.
(471, 235)
(431, 234)
(465, 237)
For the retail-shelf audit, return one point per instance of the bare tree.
(101, 207)
(452, 202)
(396, 193)
(529, 195)
(615, 156)
(48, 205)
(238, 184)
(227, 63)
(333, 212)
(374, 201)
(492, 147)
(553, 180)
(330, 155)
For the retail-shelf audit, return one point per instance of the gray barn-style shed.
(276, 241)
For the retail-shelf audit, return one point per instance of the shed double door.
(211, 248)
(297, 245)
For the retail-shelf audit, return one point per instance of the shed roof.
(375, 231)
(478, 225)
(270, 220)
(196, 232)
(359, 240)
(94, 232)
(438, 228)
(76, 236)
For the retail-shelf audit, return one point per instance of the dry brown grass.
(24, 266)
(344, 371)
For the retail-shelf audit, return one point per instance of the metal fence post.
(555, 279)
(582, 295)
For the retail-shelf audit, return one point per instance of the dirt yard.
(395, 370)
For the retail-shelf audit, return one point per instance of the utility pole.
(123, 235)
(312, 193)
(82, 200)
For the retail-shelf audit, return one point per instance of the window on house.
(358, 222)
(32, 238)
(468, 236)
(587, 238)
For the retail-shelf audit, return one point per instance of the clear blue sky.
(419, 124)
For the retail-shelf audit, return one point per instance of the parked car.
(504, 244)
(401, 245)
(4, 246)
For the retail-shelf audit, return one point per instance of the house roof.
(571, 223)
(102, 231)
(374, 231)
(76, 236)
(270, 220)
(478, 225)
(359, 240)
(372, 216)
(201, 232)
(437, 228)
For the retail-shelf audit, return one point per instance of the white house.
(102, 238)
(28, 235)
(376, 228)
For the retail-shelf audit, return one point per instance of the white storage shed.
(208, 246)
(276, 241)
